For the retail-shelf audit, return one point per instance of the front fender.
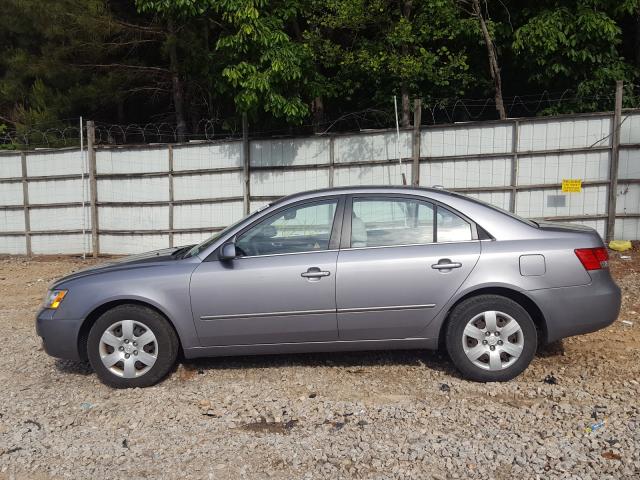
(163, 287)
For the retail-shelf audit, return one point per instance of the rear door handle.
(315, 272)
(446, 264)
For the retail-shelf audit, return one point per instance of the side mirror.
(228, 251)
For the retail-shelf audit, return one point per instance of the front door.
(281, 288)
(404, 259)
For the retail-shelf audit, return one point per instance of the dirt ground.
(365, 415)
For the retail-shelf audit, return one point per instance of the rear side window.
(392, 221)
(378, 222)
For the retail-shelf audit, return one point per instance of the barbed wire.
(438, 110)
(164, 132)
(110, 134)
(516, 106)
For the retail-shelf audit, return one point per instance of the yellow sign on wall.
(572, 185)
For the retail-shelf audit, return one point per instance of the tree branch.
(7, 120)
(142, 68)
(141, 28)
(145, 89)
(494, 69)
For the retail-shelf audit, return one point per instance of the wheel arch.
(91, 318)
(517, 296)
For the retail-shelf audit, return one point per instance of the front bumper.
(581, 309)
(59, 336)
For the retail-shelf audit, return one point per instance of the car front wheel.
(491, 338)
(132, 346)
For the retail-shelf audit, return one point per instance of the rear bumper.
(582, 309)
(59, 336)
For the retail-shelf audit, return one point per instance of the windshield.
(211, 240)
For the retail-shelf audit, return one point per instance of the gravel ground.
(364, 415)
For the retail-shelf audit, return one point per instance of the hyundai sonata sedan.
(358, 268)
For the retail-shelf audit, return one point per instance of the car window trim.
(472, 225)
(288, 253)
(345, 240)
(405, 245)
(334, 237)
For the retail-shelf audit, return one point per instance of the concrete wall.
(155, 196)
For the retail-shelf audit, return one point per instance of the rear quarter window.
(452, 228)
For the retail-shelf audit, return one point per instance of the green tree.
(286, 62)
(264, 66)
(375, 49)
(575, 45)
(102, 60)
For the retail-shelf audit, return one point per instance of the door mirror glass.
(228, 251)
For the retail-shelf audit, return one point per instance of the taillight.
(593, 258)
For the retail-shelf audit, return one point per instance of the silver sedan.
(358, 268)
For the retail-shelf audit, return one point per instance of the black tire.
(463, 313)
(166, 339)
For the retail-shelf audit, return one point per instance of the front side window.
(392, 221)
(302, 228)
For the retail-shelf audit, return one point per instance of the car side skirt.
(312, 347)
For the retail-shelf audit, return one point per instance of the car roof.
(406, 189)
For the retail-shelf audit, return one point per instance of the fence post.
(25, 203)
(417, 121)
(246, 194)
(93, 187)
(332, 160)
(170, 195)
(613, 167)
(514, 166)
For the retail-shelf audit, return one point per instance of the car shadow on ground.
(73, 367)
(554, 349)
(432, 359)
(353, 362)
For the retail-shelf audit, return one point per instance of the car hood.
(132, 261)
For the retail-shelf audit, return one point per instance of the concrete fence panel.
(156, 196)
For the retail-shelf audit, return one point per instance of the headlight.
(54, 298)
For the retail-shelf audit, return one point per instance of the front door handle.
(315, 272)
(445, 264)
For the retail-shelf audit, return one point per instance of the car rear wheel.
(132, 346)
(491, 338)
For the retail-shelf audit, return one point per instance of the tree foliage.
(576, 46)
(298, 63)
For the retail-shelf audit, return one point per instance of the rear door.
(401, 259)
